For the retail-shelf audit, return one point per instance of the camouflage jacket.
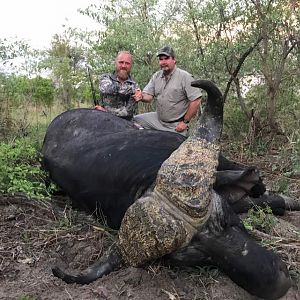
(117, 97)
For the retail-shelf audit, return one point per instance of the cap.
(167, 51)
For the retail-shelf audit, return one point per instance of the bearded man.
(118, 89)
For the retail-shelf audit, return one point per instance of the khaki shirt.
(174, 95)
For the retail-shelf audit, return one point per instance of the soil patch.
(35, 236)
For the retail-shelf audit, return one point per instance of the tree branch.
(239, 65)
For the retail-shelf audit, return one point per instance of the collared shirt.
(173, 95)
(117, 96)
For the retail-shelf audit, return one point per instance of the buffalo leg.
(278, 203)
(275, 202)
(254, 268)
(102, 267)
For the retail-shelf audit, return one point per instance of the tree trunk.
(271, 107)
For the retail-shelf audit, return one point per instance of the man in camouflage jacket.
(117, 90)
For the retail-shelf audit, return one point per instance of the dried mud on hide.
(35, 236)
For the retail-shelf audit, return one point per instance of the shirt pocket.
(176, 95)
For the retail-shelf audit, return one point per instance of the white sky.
(36, 21)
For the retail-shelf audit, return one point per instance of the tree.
(280, 36)
(67, 64)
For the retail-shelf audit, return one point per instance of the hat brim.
(163, 53)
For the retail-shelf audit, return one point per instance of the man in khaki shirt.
(177, 100)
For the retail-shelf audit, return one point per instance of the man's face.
(123, 65)
(166, 63)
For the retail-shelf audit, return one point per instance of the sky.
(36, 21)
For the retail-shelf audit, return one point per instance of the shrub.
(236, 124)
(20, 170)
(261, 219)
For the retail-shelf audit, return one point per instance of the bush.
(20, 170)
(261, 219)
(236, 125)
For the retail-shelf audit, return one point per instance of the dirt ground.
(36, 236)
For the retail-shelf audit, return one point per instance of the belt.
(178, 120)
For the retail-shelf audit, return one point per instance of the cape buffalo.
(107, 165)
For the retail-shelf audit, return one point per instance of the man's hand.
(181, 126)
(99, 107)
(138, 95)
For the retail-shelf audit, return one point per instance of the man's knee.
(147, 120)
(140, 120)
(137, 118)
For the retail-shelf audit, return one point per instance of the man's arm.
(191, 112)
(147, 98)
(142, 96)
(148, 92)
(104, 81)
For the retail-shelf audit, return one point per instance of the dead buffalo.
(170, 195)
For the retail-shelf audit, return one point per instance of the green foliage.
(288, 162)
(255, 98)
(295, 275)
(13, 88)
(282, 185)
(295, 159)
(68, 70)
(10, 49)
(17, 90)
(289, 112)
(26, 297)
(260, 146)
(210, 38)
(42, 90)
(261, 219)
(69, 219)
(20, 170)
(18, 95)
(235, 122)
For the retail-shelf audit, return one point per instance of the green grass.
(261, 219)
